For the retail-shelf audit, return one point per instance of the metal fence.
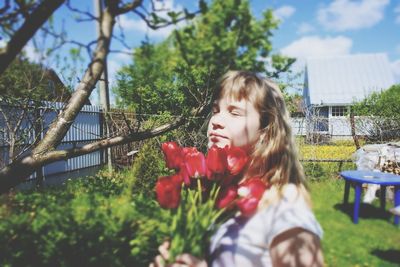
(29, 123)
(21, 127)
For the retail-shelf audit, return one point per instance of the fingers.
(190, 260)
(163, 249)
(158, 261)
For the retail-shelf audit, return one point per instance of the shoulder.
(288, 209)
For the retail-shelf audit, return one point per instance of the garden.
(113, 219)
(162, 82)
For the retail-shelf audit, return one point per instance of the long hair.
(274, 157)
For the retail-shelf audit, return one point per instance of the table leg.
(396, 202)
(357, 202)
(346, 192)
(383, 197)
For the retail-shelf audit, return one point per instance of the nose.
(217, 121)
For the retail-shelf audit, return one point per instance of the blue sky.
(308, 28)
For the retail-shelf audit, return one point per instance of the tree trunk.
(353, 129)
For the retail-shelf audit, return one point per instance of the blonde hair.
(274, 157)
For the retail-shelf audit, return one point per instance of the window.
(339, 111)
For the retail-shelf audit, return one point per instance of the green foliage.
(179, 73)
(148, 166)
(88, 222)
(24, 79)
(147, 86)
(190, 229)
(318, 171)
(96, 221)
(384, 111)
(384, 104)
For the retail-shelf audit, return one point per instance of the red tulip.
(250, 193)
(236, 159)
(195, 163)
(247, 206)
(184, 174)
(168, 192)
(226, 196)
(186, 150)
(216, 160)
(173, 155)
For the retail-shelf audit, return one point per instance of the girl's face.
(233, 123)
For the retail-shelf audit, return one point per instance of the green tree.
(179, 73)
(383, 110)
(383, 104)
(24, 79)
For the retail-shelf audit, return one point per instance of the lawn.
(374, 241)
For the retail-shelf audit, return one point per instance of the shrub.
(148, 166)
(88, 222)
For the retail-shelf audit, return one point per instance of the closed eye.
(235, 111)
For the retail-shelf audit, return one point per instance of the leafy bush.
(317, 171)
(88, 222)
(148, 166)
(384, 110)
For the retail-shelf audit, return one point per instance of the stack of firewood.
(391, 166)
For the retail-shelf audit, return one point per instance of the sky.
(308, 28)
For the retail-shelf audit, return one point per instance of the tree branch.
(35, 20)
(15, 173)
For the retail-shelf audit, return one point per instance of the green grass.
(374, 241)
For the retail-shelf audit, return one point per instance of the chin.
(218, 144)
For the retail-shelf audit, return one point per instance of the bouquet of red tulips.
(200, 190)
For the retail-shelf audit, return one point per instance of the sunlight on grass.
(374, 241)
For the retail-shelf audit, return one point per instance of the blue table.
(371, 177)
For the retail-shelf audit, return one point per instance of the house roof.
(341, 80)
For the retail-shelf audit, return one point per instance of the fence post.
(38, 131)
(353, 129)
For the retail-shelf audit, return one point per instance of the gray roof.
(341, 80)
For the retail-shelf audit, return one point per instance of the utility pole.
(103, 85)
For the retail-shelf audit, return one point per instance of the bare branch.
(35, 20)
(63, 41)
(5, 7)
(90, 16)
(128, 7)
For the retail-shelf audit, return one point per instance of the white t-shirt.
(245, 242)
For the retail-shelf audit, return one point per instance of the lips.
(216, 135)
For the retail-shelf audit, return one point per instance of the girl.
(250, 112)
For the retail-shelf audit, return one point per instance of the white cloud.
(139, 25)
(162, 8)
(113, 66)
(2, 43)
(395, 66)
(284, 12)
(315, 46)
(125, 56)
(305, 28)
(397, 12)
(310, 46)
(342, 15)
